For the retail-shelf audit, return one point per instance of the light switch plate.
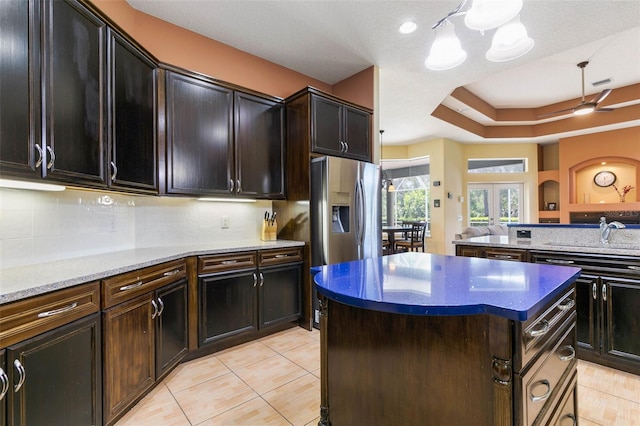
(224, 222)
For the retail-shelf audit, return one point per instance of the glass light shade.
(509, 42)
(583, 109)
(446, 51)
(487, 14)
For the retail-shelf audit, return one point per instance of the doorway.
(495, 203)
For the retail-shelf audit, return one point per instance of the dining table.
(391, 231)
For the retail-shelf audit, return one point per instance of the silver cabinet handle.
(255, 279)
(229, 262)
(5, 383)
(280, 256)
(545, 395)
(540, 332)
(53, 158)
(161, 304)
(604, 292)
(230, 185)
(131, 286)
(174, 272)
(261, 279)
(343, 147)
(503, 256)
(40, 155)
(594, 291)
(568, 305)
(154, 314)
(634, 268)
(21, 373)
(115, 171)
(58, 311)
(560, 262)
(238, 185)
(571, 355)
(346, 147)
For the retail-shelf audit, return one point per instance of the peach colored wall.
(183, 48)
(608, 146)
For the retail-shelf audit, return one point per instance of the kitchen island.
(418, 339)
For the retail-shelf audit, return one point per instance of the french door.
(494, 203)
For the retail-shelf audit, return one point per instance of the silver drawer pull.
(5, 383)
(541, 331)
(634, 268)
(174, 272)
(280, 256)
(131, 286)
(570, 416)
(568, 357)
(21, 374)
(565, 307)
(545, 395)
(560, 262)
(229, 262)
(58, 311)
(503, 256)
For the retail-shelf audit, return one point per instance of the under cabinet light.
(227, 200)
(35, 186)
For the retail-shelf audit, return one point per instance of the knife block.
(269, 232)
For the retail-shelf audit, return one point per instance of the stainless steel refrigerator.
(344, 212)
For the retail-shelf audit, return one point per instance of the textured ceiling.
(332, 40)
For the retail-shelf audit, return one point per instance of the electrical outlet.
(224, 223)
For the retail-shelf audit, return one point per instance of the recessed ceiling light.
(408, 27)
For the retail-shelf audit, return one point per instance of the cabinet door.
(132, 150)
(74, 89)
(468, 251)
(20, 99)
(356, 134)
(199, 137)
(227, 306)
(61, 376)
(129, 363)
(621, 318)
(259, 133)
(280, 294)
(172, 333)
(4, 387)
(326, 126)
(587, 308)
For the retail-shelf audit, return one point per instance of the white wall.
(38, 227)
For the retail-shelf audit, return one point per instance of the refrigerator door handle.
(360, 215)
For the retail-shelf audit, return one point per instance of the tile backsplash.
(38, 227)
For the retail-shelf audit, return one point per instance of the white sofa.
(481, 231)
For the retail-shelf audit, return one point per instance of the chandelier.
(510, 40)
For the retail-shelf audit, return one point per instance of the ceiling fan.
(584, 107)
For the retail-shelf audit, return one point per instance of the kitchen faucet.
(605, 230)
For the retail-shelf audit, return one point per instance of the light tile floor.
(276, 381)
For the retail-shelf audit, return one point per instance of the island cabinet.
(244, 295)
(220, 141)
(514, 255)
(50, 347)
(145, 332)
(608, 296)
(459, 342)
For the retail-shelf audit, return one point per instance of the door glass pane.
(509, 203)
(479, 206)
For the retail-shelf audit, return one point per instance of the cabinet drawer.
(534, 334)
(539, 388)
(226, 262)
(566, 409)
(503, 254)
(126, 286)
(277, 257)
(24, 319)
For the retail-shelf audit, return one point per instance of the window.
(493, 203)
(501, 165)
(405, 192)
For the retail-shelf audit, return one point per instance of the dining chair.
(415, 239)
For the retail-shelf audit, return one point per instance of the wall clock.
(604, 178)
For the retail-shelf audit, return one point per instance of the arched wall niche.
(583, 190)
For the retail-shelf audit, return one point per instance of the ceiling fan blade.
(601, 96)
(549, 114)
(604, 110)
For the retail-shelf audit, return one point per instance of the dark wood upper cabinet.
(74, 93)
(199, 136)
(259, 146)
(131, 162)
(339, 129)
(19, 88)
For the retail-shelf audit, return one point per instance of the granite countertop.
(507, 241)
(26, 281)
(428, 284)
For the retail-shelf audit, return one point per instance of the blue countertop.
(430, 284)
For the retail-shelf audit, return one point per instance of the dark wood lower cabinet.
(56, 378)
(172, 333)
(280, 298)
(4, 387)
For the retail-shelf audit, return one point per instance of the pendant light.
(487, 14)
(446, 51)
(509, 42)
